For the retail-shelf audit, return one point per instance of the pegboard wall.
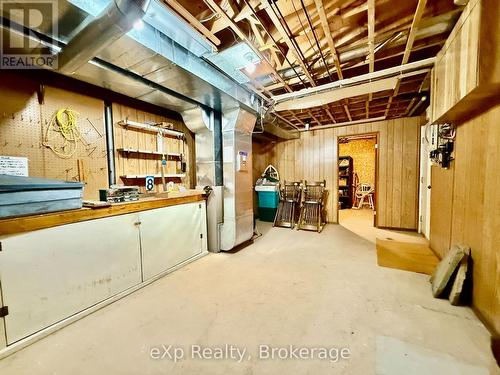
(24, 122)
(144, 164)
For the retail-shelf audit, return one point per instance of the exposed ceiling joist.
(346, 41)
(371, 38)
(242, 36)
(328, 34)
(353, 11)
(413, 30)
(193, 21)
(409, 45)
(284, 35)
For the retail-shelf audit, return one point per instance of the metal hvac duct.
(113, 22)
(228, 143)
(237, 127)
(208, 166)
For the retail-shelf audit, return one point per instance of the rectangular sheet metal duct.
(230, 206)
(333, 95)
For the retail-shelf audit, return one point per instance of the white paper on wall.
(14, 165)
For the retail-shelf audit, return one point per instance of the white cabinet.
(50, 274)
(170, 236)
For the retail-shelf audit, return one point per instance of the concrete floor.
(300, 288)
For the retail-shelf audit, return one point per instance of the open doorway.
(357, 181)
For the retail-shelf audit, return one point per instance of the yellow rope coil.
(64, 122)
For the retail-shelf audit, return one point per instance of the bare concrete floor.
(288, 288)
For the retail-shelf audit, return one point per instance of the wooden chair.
(364, 196)
(290, 194)
(312, 211)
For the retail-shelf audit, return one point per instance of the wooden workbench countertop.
(33, 222)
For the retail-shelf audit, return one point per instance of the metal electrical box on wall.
(242, 161)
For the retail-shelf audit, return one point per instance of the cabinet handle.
(138, 223)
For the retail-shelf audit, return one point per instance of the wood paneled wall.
(140, 164)
(456, 70)
(315, 156)
(466, 75)
(261, 158)
(24, 122)
(466, 207)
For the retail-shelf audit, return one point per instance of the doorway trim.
(424, 183)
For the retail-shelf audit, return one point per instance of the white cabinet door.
(51, 274)
(171, 235)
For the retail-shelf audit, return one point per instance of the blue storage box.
(268, 199)
(31, 195)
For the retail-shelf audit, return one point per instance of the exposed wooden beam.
(328, 34)
(371, 35)
(223, 16)
(314, 118)
(288, 41)
(413, 30)
(226, 19)
(408, 108)
(286, 120)
(244, 13)
(347, 112)
(371, 38)
(329, 113)
(193, 21)
(295, 117)
(262, 43)
(221, 23)
(409, 44)
(352, 11)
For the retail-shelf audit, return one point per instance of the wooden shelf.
(130, 176)
(152, 128)
(148, 152)
(346, 176)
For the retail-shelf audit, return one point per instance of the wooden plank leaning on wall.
(314, 156)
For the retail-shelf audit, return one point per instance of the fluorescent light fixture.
(235, 61)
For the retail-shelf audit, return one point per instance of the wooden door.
(441, 208)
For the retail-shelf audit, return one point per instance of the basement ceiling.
(308, 43)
